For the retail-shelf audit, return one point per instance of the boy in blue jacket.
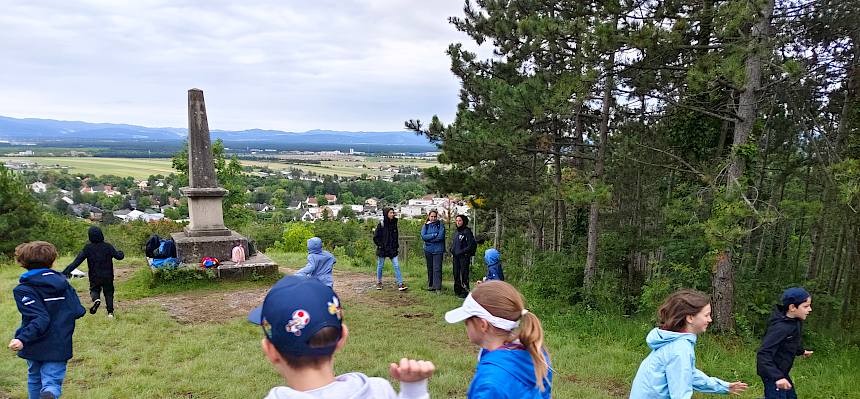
(320, 262)
(49, 307)
(782, 343)
(493, 259)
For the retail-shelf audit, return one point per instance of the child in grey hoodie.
(301, 319)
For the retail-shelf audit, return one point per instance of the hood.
(95, 234)
(346, 386)
(385, 220)
(778, 316)
(517, 363)
(48, 280)
(658, 338)
(315, 245)
(465, 221)
(492, 256)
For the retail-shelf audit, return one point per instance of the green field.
(192, 340)
(141, 168)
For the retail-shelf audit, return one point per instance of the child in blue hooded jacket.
(669, 371)
(49, 307)
(320, 262)
(493, 259)
(513, 361)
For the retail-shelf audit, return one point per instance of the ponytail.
(503, 300)
(531, 336)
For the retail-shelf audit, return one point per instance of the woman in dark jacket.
(463, 248)
(386, 239)
(433, 234)
(99, 256)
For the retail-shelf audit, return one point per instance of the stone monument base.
(191, 249)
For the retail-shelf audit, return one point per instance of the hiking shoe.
(94, 308)
(46, 395)
(402, 287)
(110, 315)
(379, 285)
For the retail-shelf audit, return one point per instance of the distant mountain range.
(47, 131)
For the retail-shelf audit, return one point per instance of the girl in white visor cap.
(513, 361)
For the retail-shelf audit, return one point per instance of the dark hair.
(465, 219)
(503, 300)
(324, 338)
(674, 311)
(35, 254)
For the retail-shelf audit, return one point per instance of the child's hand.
(735, 388)
(411, 370)
(783, 384)
(807, 353)
(16, 345)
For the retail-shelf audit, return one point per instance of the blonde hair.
(503, 300)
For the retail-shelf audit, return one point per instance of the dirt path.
(200, 307)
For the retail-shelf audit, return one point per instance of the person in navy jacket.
(433, 234)
(49, 307)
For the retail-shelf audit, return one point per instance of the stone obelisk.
(206, 235)
(204, 195)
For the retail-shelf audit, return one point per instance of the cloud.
(289, 65)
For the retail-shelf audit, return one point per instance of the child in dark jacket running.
(49, 307)
(782, 343)
(99, 255)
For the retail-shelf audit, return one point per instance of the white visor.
(471, 308)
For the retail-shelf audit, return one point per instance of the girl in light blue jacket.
(669, 371)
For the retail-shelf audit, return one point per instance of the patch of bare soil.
(197, 307)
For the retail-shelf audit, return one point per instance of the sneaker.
(379, 285)
(110, 315)
(95, 307)
(46, 395)
(402, 287)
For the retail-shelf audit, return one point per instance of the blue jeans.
(45, 376)
(771, 392)
(380, 261)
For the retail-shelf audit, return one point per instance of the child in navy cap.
(302, 323)
(782, 343)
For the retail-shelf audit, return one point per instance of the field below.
(142, 168)
(191, 340)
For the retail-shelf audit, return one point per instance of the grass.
(142, 168)
(145, 353)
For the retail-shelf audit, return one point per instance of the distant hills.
(54, 132)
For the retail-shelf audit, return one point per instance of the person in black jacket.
(49, 307)
(99, 255)
(782, 343)
(387, 246)
(463, 248)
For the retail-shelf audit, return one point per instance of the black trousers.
(434, 270)
(96, 288)
(461, 274)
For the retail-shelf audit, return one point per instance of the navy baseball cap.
(295, 309)
(794, 296)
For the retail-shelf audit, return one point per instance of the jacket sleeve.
(679, 376)
(75, 302)
(77, 262)
(769, 345)
(377, 235)
(486, 390)
(425, 235)
(308, 269)
(471, 244)
(32, 307)
(414, 390)
(117, 254)
(705, 384)
(440, 236)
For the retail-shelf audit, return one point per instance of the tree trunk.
(597, 177)
(724, 277)
(498, 232)
(837, 261)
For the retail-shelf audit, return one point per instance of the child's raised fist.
(411, 370)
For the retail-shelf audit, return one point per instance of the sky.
(293, 65)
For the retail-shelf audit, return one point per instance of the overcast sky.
(291, 65)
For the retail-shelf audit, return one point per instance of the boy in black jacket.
(99, 256)
(49, 307)
(782, 343)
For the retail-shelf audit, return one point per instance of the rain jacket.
(99, 256)
(320, 263)
(507, 374)
(492, 258)
(781, 344)
(433, 235)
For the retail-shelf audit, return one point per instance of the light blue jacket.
(433, 235)
(320, 262)
(669, 371)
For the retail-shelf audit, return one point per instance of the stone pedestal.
(191, 249)
(205, 212)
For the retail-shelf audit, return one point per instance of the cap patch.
(300, 320)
